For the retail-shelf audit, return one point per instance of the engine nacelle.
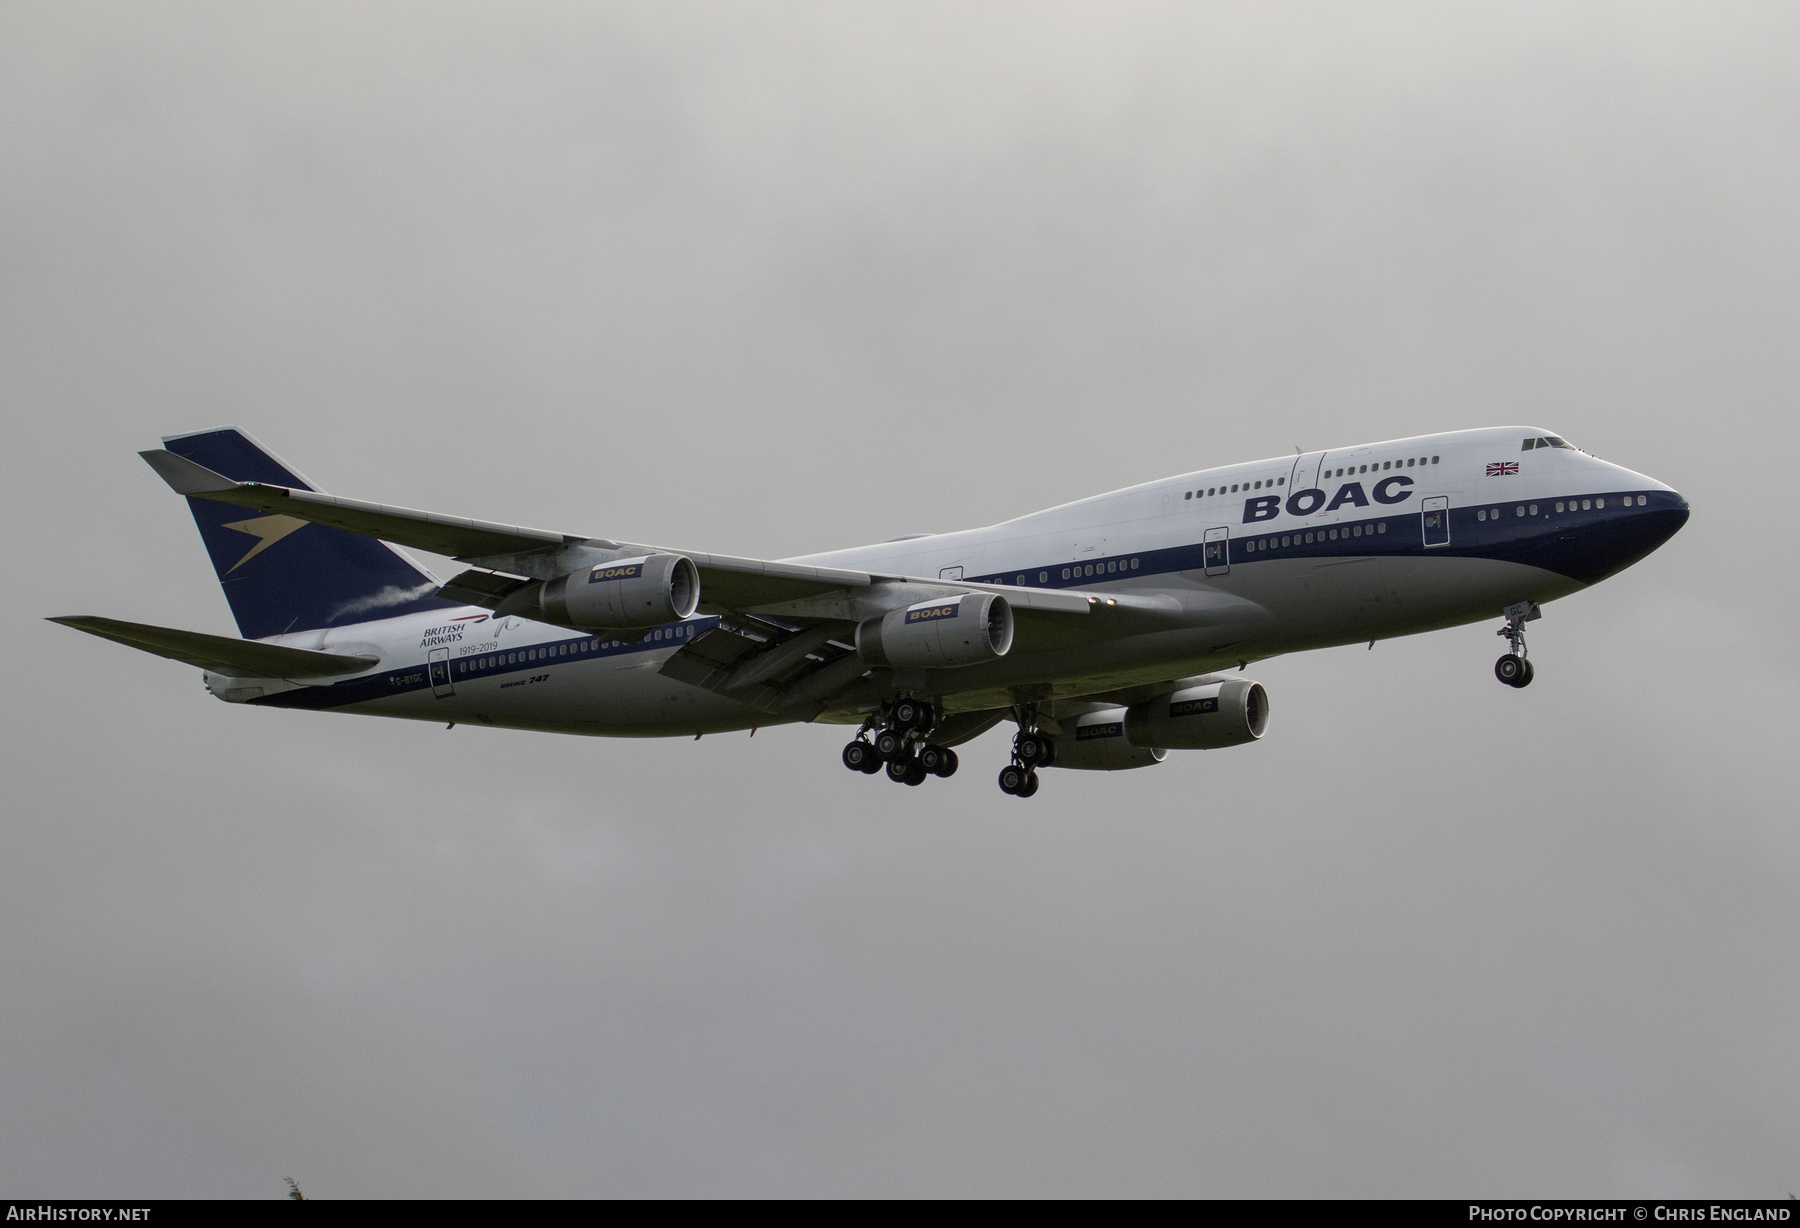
(1096, 742)
(967, 629)
(1204, 717)
(641, 592)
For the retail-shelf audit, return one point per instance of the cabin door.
(439, 670)
(1218, 551)
(1434, 517)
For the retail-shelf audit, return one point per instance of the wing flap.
(221, 654)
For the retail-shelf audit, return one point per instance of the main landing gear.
(1514, 669)
(1031, 751)
(901, 742)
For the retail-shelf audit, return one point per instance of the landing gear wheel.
(889, 745)
(938, 760)
(859, 756)
(1033, 749)
(1031, 785)
(1514, 669)
(912, 714)
(1015, 780)
(905, 771)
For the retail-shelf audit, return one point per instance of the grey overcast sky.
(774, 279)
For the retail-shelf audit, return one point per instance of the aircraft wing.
(792, 624)
(221, 654)
(727, 583)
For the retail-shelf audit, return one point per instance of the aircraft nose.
(1658, 517)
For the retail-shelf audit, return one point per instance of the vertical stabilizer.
(284, 574)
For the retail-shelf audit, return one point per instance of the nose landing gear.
(1515, 669)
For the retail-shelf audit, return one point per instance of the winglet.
(185, 477)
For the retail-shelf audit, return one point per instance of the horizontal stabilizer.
(220, 654)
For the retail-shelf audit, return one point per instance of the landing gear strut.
(1514, 669)
(901, 741)
(1031, 751)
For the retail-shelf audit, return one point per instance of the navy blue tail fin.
(282, 574)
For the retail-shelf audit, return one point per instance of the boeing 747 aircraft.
(1111, 630)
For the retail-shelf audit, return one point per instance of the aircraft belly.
(616, 697)
(1341, 601)
(1306, 603)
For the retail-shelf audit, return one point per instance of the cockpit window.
(1546, 441)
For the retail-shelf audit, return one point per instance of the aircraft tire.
(938, 760)
(859, 756)
(911, 714)
(1031, 785)
(889, 745)
(1509, 669)
(1014, 779)
(1527, 676)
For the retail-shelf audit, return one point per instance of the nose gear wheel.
(1515, 669)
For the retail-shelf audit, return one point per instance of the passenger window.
(1134, 564)
(1643, 500)
(1559, 507)
(1065, 573)
(1409, 462)
(1286, 542)
(1482, 515)
(1043, 577)
(1586, 504)
(1434, 460)
(1519, 511)
(1599, 502)
(1534, 509)
(1382, 527)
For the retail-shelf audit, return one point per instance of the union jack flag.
(1503, 469)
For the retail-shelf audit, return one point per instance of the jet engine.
(1096, 742)
(625, 593)
(967, 629)
(1204, 717)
